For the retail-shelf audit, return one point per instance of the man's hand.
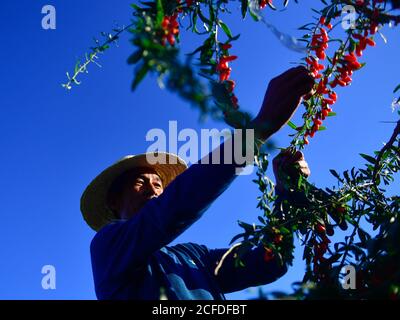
(281, 100)
(287, 169)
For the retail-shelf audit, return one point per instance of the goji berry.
(320, 228)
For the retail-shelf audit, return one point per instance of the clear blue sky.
(54, 142)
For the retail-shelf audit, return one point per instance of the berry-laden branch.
(387, 146)
(94, 55)
(203, 78)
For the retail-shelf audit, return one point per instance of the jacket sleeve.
(124, 245)
(255, 271)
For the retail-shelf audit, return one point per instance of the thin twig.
(388, 145)
(93, 55)
(351, 239)
(224, 257)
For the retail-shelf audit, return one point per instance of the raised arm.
(122, 246)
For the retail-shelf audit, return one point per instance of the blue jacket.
(131, 259)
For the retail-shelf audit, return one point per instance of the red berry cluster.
(320, 248)
(268, 254)
(263, 3)
(224, 71)
(326, 102)
(319, 42)
(342, 66)
(314, 67)
(345, 71)
(276, 236)
(230, 85)
(171, 29)
(349, 63)
(170, 24)
(373, 26)
(363, 42)
(223, 67)
(189, 3)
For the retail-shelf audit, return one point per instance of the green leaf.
(254, 15)
(364, 236)
(207, 49)
(135, 57)
(195, 51)
(77, 66)
(335, 174)
(247, 227)
(194, 23)
(346, 175)
(292, 125)
(139, 76)
(160, 13)
(306, 28)
(396, 89)
(203, 18)
(300, 182)
(270, 4)
(234, 38)
(135, 6)
(149, 4)
(225, 28)
(245, 4)
(212, 15)
(352, 45)
(368, 158)
(261, 219)
(335, 257)
(238, 236)
(104, 48)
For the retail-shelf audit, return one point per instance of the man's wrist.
(262, 130)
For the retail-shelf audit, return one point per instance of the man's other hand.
(288, 167)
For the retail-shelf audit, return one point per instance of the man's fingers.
(288, 156)
(304, 168)
(288, 74)
(299, 155)
(289, 77)
(293, 98)
(296, 87)
(302, 164)
(287, 159)
(301, 85)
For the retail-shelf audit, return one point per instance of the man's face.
(139, 189)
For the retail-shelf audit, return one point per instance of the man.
(138, 209)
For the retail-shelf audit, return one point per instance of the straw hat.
(93, 201)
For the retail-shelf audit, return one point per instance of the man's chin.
(143, 202)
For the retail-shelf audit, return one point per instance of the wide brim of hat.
(93, 201)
